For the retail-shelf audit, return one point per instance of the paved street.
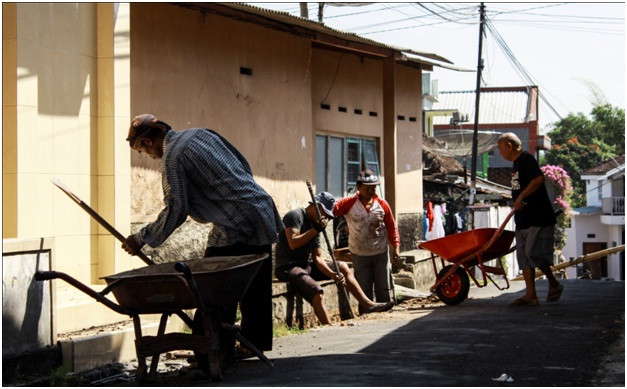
(567, 343)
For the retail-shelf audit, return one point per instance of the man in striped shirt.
(207, 178)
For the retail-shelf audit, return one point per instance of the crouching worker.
(302, 239)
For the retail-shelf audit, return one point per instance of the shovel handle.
(98, 218)
(342, 288)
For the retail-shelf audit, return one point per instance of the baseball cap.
(367, 177)
(327, 201)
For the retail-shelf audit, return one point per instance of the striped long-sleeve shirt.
(207, 178)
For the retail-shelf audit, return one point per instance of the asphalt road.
(567, 343)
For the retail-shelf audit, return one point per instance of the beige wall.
(61, 78)
(178, 75)
(271, 116)
(350, 81)
(409, 140)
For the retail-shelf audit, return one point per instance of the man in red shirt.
(372, 229)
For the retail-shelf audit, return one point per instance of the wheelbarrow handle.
(51, 275)
(500, 229)
(46, 275)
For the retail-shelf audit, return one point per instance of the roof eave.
(321, 35)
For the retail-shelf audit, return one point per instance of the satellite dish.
(459, 142)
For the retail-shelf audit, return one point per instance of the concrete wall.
(65, 87)
(273, 115)
(186, 70)
(28, 306)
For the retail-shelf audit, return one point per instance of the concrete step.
(97, 346)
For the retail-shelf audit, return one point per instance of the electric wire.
(514, 61)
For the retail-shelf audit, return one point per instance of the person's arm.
(343, 205)
(297, 240)
(394, 238)
(170, 218)
(534, 185)
(323, 267)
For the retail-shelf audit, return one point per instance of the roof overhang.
(321, 35)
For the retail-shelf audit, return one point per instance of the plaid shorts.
(534, 246)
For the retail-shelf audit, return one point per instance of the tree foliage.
(580, 143)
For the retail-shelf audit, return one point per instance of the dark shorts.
(304, 280)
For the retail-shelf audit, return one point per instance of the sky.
(574, 52)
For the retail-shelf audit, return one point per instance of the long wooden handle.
(326, 238)
(584, 258)
(98, 218)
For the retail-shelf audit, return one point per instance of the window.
(339, 161)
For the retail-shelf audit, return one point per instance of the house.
(601, 224)
(501, 109)
(300, 100)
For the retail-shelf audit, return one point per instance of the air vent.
(246, 71)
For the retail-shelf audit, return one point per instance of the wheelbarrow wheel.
(455, 288)
(210, 362)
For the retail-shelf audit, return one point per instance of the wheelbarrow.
(465, 251)
(207, 284)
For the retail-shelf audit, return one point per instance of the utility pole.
(304, 12)
(475, 135)
(320, 11)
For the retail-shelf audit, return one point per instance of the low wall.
(28, 322)
(291, 309)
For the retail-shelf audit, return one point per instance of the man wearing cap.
(302, 239)
(207, 178)
(371, 227)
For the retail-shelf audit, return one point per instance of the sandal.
(555, 296)
(380, 307)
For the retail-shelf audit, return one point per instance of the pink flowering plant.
(558, 185)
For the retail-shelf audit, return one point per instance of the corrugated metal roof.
(495, 107)
(288, 19)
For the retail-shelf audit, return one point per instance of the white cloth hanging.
(438, 226)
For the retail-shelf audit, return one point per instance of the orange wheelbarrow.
(465, 251)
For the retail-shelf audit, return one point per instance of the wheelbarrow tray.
(462, 246)
(159, 288)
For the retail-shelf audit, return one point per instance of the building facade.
(301, 101)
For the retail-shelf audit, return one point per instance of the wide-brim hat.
(327, 201)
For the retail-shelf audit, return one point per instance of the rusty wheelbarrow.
(464, 251)
(206, 284)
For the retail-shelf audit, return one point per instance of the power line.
(514, 61)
